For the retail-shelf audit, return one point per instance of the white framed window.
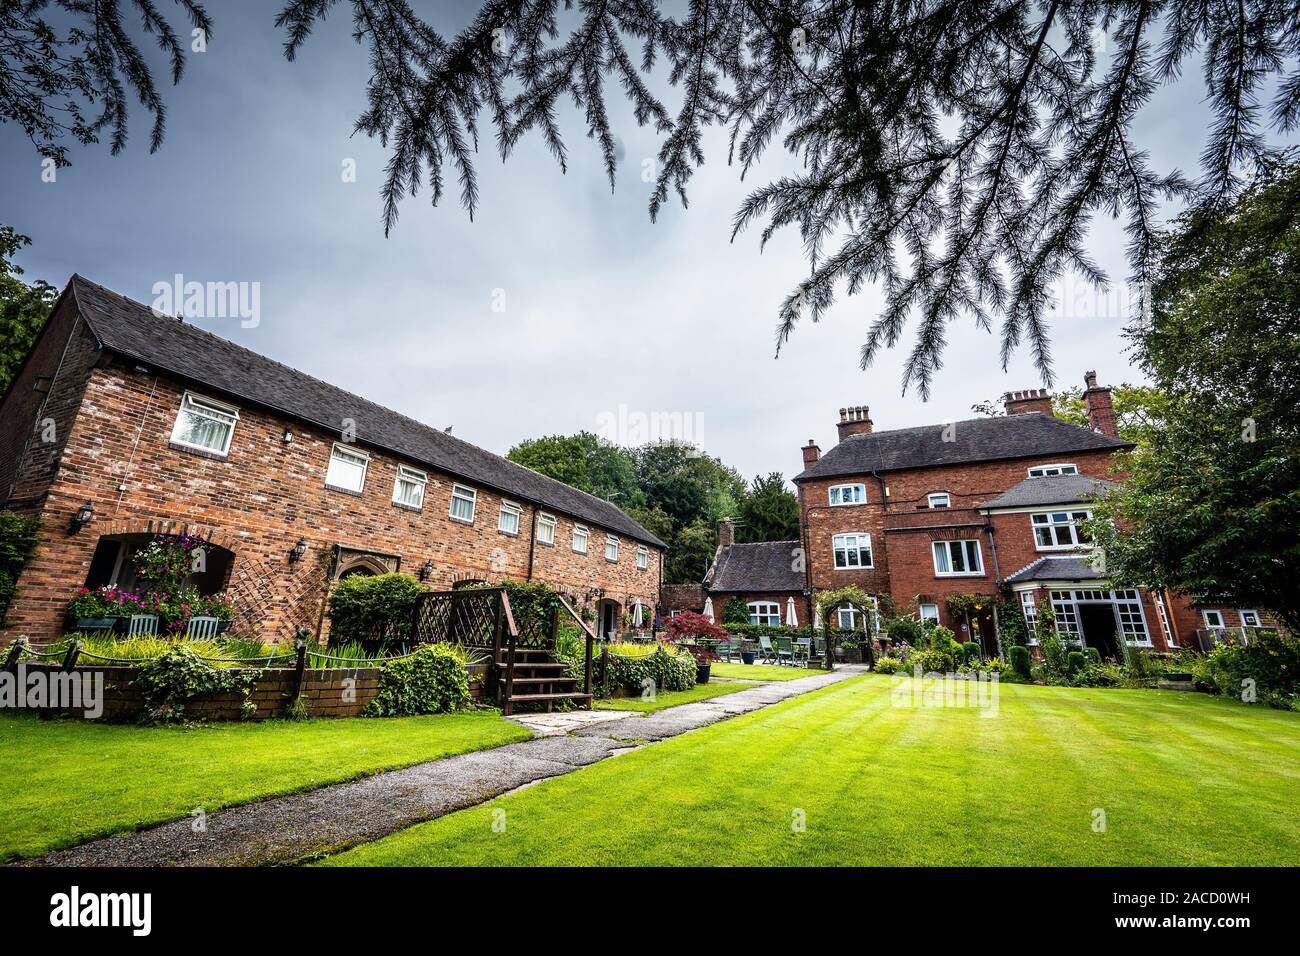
(852, 550)
(938, 499)
(846, 618)
(408, 487)
(1030, 610)
(1249, 618)
(347, 468)
(463, 501)
(611, 547)
(767, 613)
(1162, 613)
(205, 424)
(580, 536)
(642, 557)
(546, 528)
(508, 518)
(1212, 619)
(957, 558)
(848, 494)
(929, 612)
(1058, 530)
(1048, 471)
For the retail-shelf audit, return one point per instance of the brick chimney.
(854, 421)
(1029, 400)
(1101, 412)
(726, 533)
(810, 453)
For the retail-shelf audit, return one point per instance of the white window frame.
(1162, 615)
(208, 408)
(463, 493)
(946, 544)
(341, 450)
(1052, 470)
(857, 491)
(580, 530)
(922, 616)
(1073, 518)
(1029, 608)
(760, 611)
(947, 499)
(642, 557)
(511, 509)
(412, 476)
(611, 541)
(1205, 618)
(851, 612)
(1241, 616)
(546, 525)
(848, 547)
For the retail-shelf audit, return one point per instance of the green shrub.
(1094, 656)
(18, 537)
(167, 682)
(430, 681)
(1055, 654)
(1075, 662)
(971, 652)
(933, 661)
(1013, 629)
(630, 665)
(905, 630)
(887, 665)
(1020, 660)
(1269, 664)
(373, 608)
(735, 611)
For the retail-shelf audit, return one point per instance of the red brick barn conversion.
(766, 576)
(123, 424)
(981, 508)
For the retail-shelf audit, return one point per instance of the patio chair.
(202, 627)
(784, 650)
(142, 625)
(819, 645)
(802, 651)
(766, 650)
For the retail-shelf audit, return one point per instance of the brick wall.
(780, 598)
(260, 500)
(326, 692)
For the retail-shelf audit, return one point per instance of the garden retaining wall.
(326, 692)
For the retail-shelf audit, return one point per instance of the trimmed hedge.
(1020, 660)
(373, 608)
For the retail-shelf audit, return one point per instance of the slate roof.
(767, 566)
(130, 329)
(1032, 434)
(1057, 568)
(1051, 490)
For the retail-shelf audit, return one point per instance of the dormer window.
(848, 494)
(204, 424)
(1051, 471)
(938, 499)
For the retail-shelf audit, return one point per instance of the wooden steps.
(538, 678)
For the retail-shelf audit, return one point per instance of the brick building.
(973, 510)
(146, 425)
(766, 576)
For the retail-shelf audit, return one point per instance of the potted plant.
(101, 609)
(689, 629)
(746, 651)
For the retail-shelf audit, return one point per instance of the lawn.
(66, 781)
(762, 671)
(672, 698)
(1182, 779)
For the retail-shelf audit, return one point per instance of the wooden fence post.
(70, 660)
(604, 669)
(299, 668)
(15, 652)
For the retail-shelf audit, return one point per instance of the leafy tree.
(690, 552)
(52, 74)
(735, 611)
(23, 308)
(769, 511)
(585, 461)
(1139, 409)
(1212, 505)
(954, 152)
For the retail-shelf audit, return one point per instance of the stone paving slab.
(290, 828)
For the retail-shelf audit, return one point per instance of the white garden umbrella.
(708, 608)
(790, 619)
(637, 620)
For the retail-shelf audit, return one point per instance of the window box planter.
(94, 623)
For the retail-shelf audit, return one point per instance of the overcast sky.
(602, 309)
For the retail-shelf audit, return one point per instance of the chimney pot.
(1028, 400)
(854, 420)
(1100, 408)
(810, 453)
(726, 533)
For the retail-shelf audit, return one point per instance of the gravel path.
(291, 828)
